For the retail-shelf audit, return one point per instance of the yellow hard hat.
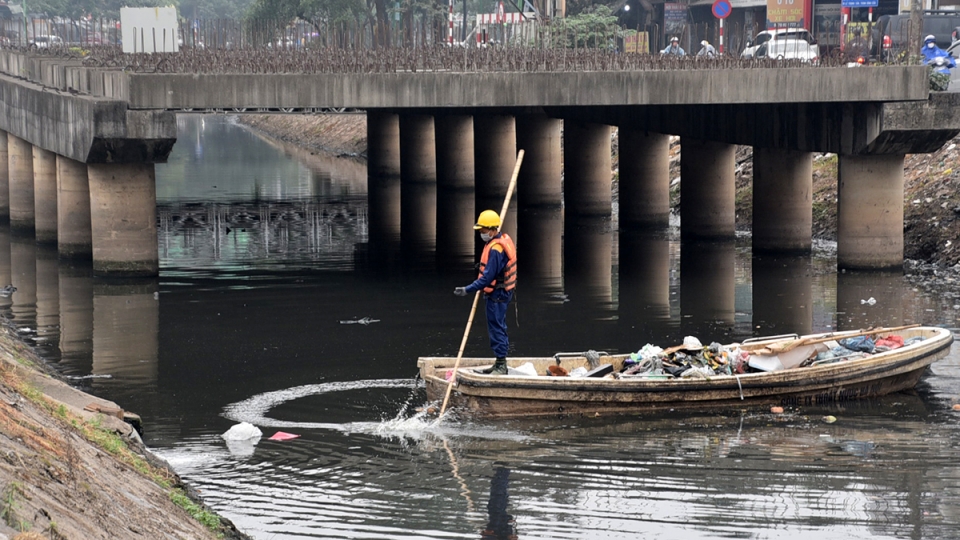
(488, 219)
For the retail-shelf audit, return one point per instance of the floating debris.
(364, 321)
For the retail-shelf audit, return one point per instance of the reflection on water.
(262, 256)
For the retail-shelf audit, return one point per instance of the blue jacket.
(930, 54)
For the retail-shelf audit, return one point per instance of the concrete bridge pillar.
(383, 144)
(418, 183)
(644, 178)
(870, 212)
(123, 218)
(4, 178)
(455, 165)
(495, 155)
(73, 209)
(45, 195)
(587, 169)
(418, 152)
(707, 190)
(538, 183)
(782, 200)
(20, 159)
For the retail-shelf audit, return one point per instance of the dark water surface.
(265, 251)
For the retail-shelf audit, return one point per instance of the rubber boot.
(498, 368)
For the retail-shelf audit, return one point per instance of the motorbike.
(940, 67)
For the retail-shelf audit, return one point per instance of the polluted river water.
(268, 254)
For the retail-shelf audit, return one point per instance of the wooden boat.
(511, 395)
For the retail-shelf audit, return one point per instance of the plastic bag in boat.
(859, 343)
(526, 369)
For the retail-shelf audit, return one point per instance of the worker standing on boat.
(497, 280)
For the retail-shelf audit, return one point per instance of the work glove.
(460, 291)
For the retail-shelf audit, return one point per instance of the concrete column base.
(707, 190)
(870, 212)
(538, 183)
(383, 144)
(74, 238)
(45, 195)
(495, 155)
(782, 200)
(22, 210)
(587, 169)
(123, 217)
(455, 165)
(644, 178)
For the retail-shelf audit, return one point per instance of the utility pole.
(23, 5)
(916, 29)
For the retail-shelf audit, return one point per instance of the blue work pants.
(497, 303)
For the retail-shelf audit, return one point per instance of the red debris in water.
(283, 436)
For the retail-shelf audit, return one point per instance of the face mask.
(930, 45)
(485, 237)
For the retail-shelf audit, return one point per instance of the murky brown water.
(263, 256)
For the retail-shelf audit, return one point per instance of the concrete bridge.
(81, 144)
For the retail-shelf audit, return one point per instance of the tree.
(214, 9)
(591, 28)
(75, 9)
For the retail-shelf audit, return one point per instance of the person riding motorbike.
(940, 63)
(857, 49)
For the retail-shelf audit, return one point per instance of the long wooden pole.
(476, 297)
(786, 346)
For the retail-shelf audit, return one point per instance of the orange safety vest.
(507, 279)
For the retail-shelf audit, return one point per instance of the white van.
(783, 43)
(43, 42)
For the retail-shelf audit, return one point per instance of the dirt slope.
(66, 473)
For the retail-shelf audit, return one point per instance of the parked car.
(783, 43)
(891, 32)
(43, 42)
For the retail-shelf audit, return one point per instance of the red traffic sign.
(721, 9)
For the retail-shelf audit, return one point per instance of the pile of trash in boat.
(692, 359)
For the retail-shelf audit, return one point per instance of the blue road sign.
(722, 8)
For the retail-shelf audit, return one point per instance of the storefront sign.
(787, 13)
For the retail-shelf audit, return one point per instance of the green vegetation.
(595, 27)
(204, 516)
(75, 9)
(8, 506)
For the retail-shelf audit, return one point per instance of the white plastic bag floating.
(244, 431)
(526, 370)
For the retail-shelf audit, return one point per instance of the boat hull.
(521, 396)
